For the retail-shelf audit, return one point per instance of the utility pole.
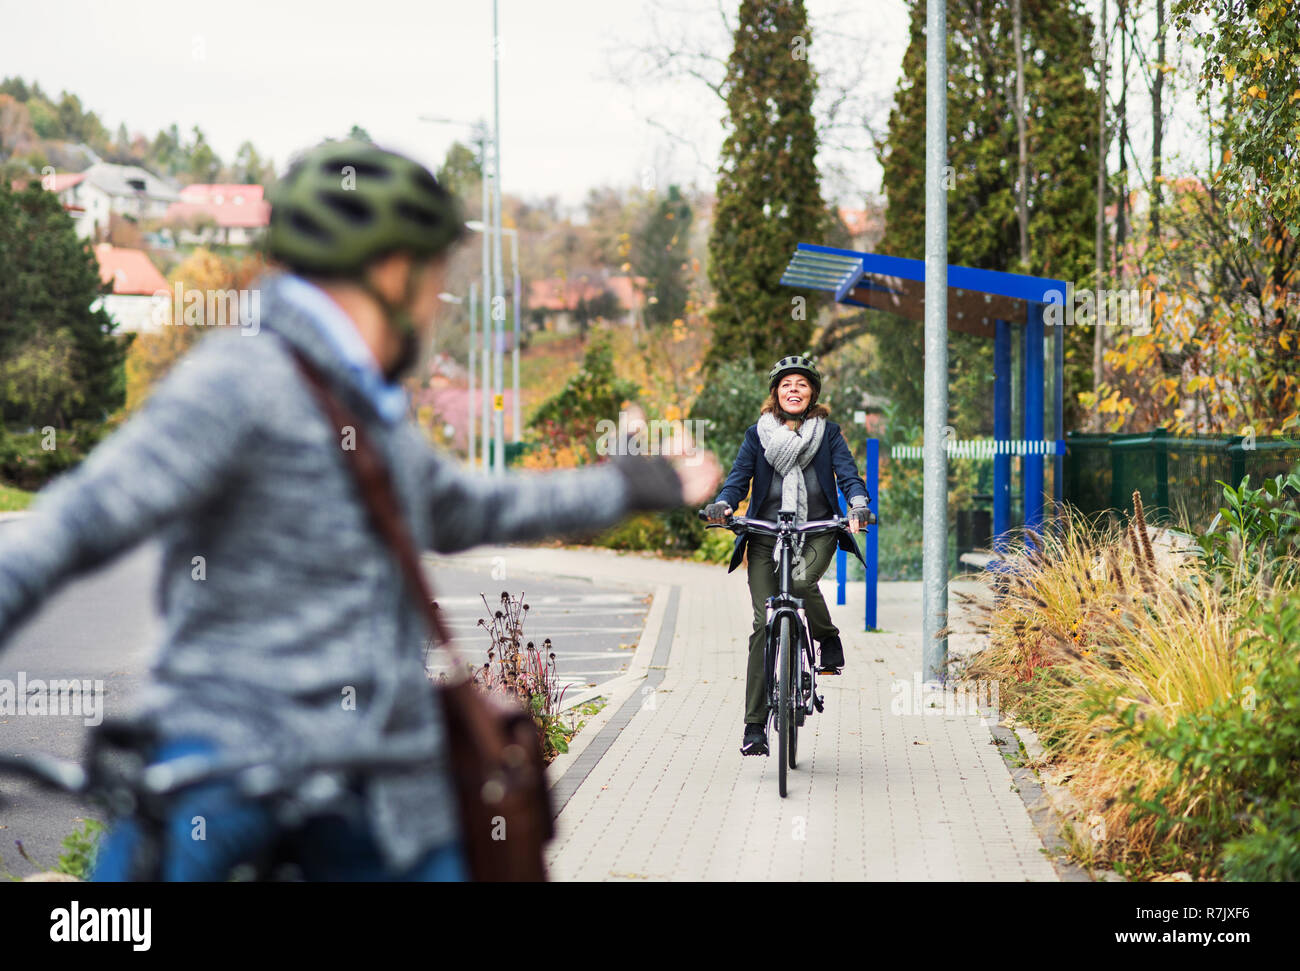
(487, 315)
(481, 139)
(514, 262)
(498, 296)
(1022, 200)
(934, 571)
(473, 336)
(1099, 257)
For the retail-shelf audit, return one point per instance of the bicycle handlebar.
(258, 778)
(739, 524)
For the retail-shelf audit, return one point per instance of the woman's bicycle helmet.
(795, 365)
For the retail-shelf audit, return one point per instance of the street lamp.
(481, 139)
(476, 225)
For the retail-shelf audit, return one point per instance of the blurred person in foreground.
(299, 603)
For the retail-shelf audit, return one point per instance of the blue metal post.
(873, 532)
(1002, 433)
(1058, 410)
(1034, 379)
(841, 561)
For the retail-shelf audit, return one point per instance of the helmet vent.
(426, 218)
(362, 170)
(307, 226)
(423, 180)
(347, 205)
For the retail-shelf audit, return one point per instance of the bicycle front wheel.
(795, 681)
(784, 704)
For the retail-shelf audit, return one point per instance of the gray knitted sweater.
(296, 605)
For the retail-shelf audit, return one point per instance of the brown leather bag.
(495, 751)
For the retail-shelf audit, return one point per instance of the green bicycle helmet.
(345, 204)
(795, 365)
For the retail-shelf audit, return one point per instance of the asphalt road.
(102, 628)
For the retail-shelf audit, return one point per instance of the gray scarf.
(789, 452)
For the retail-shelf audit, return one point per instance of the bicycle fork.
(806, 690)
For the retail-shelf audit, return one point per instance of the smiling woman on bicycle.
(796, 459)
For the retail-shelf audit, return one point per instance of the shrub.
(716, 547)
(79, 850)
(1241, 756)
(1098, 644)
(27, 464)
(569, 419)
(524, 672)
(1256, 528)
(645, 531)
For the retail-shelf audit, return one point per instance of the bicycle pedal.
(819, 702)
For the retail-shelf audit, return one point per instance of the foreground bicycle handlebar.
(257, 778)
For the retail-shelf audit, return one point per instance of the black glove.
(863, 516)
(717, 510)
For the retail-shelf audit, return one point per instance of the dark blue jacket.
(832, 462)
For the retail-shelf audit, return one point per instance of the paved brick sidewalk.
(664, 793)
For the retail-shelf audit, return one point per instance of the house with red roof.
(140, 292)
(558, 303)
(228, 214)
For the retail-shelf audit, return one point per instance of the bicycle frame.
(786, 689)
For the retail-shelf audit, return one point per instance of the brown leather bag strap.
(371, 475)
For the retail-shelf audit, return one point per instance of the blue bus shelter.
(1002, 307)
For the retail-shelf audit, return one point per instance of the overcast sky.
(286, 74)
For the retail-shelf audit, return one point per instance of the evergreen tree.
(982, 151)
(768, 192)
(460, 173)
(203, 163)
(50, 281)
(660, 255)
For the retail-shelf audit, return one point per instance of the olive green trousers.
(818, 552)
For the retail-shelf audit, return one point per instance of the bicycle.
(118, 776)
(788, 661)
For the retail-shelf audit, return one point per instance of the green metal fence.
(1177, 476)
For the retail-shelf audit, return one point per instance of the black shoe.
(755, 742)
(832, 656)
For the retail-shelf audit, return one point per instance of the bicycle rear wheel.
(784, 704)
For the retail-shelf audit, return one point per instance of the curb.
(1047, 821)
(1059, 798)
(616, 690)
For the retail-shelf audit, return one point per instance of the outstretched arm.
(472, 508)
(175, 454)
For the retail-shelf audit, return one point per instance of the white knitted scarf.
(789, 452)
